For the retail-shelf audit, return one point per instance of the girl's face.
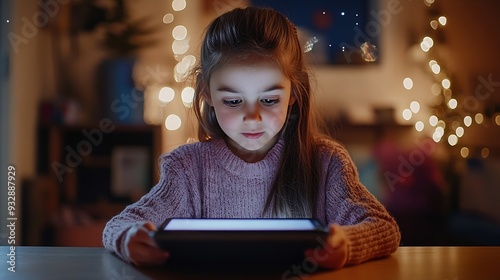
(251, 104)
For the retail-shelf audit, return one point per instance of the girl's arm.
(169, 198)
(370, 231)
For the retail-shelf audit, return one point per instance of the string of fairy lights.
(441, 126)
(183, 63)
(447, 123)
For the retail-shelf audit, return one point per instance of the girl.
(259, 154)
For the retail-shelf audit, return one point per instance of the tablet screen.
(240, 224)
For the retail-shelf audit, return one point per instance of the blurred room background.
(94, 91)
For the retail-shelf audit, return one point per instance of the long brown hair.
(259, 33)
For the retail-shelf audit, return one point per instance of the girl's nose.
(252, 116)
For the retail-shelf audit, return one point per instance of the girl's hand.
(140, 248)
(334, 254)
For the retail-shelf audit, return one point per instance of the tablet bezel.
(240, 245)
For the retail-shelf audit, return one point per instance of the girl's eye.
(232, 103)
(270, 102)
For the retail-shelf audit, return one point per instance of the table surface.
(442, 263)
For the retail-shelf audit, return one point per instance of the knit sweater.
(206, 180)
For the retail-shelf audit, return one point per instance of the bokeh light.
(173, 122)
(446, 83)
(479, 118)
(168, 18)
(408, 83)
(166, 94)
(178, 5)
(485, 152)
(464, 152)
(452, 139)
(467, 121)
(179, 32)
(407, 114)
(419, 126)
(433, 120)
(452, 103)
(415, 106)
(442, 20)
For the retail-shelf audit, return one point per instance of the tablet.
(240, 240)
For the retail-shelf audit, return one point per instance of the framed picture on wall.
(344, 32)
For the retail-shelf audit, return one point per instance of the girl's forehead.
(250, 64)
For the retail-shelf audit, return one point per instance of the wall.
(470, 50)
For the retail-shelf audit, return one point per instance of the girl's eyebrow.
(231, 90)
(227, 89)
(274, 87)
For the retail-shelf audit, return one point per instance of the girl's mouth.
(253, 135)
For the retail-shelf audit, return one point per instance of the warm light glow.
(415, 106)
(168, 18)
(173, 122)
(183, 67)
(419, 126)
(479, 118)
(434, 24)
(429, 1)
(407, 114)
(432, 62)
(436, 89)
(446, 83)
(464, 152)
(433, 120)
(187, 96)
(424, 47)
(180, 47)
(408, 83)
(441, 124)
(428, 40)
(436, 68)
(436, 137)
(485, 152)
(497, 119)
(439, 132)
(452, 140)
(166, 94)
(459, 131)
(179, 32)
(442, 20)
(452, 104)
(178, 5)
(467, 121)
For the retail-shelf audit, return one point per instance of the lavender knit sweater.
(207, 180)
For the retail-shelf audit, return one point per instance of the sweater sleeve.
(169, 198)
(370, 229)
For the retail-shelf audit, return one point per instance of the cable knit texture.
(206, 180)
